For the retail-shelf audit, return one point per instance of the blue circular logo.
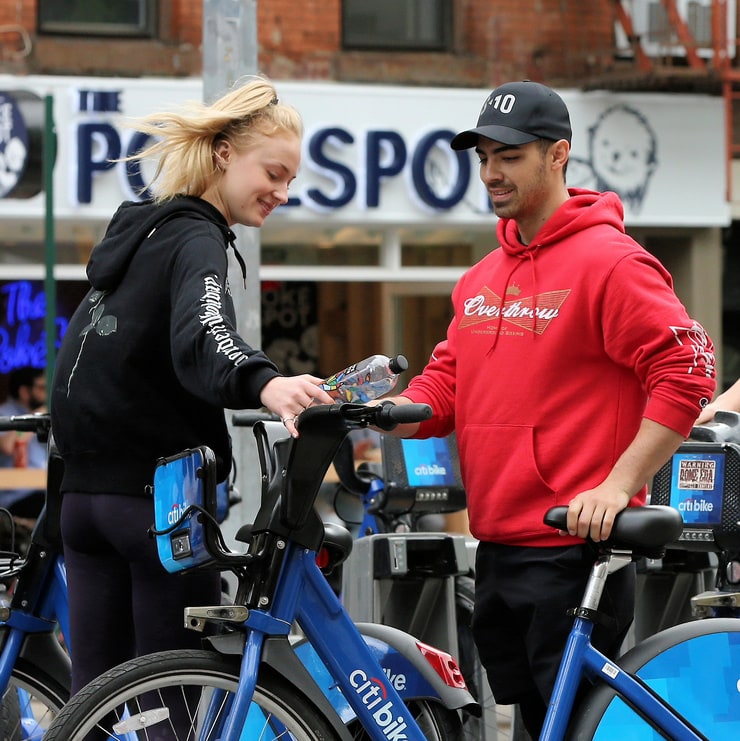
(13, 144)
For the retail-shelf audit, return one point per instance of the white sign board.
(380, 155)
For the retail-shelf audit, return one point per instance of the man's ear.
(559, 152)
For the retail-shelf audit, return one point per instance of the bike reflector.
(187, 504)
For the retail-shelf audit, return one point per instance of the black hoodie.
(151, 356)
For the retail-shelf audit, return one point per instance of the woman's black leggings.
(122, 602)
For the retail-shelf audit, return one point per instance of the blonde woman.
(151, 359)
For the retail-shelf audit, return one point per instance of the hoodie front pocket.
(507, 495)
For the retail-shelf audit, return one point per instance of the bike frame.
(35, 609)
(582, 659)
(305, 595)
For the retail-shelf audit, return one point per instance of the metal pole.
(50, 319)
(230, 53)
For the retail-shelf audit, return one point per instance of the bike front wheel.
(694, 666)
(178, 695)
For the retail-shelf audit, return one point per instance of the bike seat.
(643, 530)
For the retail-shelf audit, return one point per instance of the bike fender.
(401, 659)
(405, 668)
(279, 655)
(43, 649)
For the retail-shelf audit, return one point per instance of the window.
(411, 25)
(98, 17)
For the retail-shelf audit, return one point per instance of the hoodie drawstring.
(528, 255)
(231, 241)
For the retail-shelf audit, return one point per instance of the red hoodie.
(544, 402)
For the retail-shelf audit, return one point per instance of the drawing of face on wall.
(623, 154)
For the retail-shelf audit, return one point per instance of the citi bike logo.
(374, 697)
(430, 469)
(177, 511)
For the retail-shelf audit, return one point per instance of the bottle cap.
(398, 364)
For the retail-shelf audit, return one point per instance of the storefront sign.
(380, 154)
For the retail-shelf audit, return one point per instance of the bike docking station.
(407, 579)
(702, 481)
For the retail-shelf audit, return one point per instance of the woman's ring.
(285, 420)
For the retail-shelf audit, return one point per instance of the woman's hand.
(288, 396)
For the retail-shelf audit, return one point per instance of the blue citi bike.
(683, 682)
(286, 660)
(393, 504)
(34, 666)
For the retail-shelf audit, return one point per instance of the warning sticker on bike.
(697, 487)
(697, 474)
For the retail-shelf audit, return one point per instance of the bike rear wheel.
(178, 695)
(31, 702)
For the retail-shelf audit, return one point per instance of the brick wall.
(175, 52)
(550, 40)
(556, 41)
(544, 40)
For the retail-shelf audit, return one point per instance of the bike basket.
(702, 481)
(188, 505)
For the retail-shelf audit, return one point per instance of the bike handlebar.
(38, 423)
(386, 415)
(250, 418)
(723, 428)
(305, 460)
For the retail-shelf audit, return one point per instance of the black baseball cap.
(517, 113)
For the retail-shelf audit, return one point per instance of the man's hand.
(591, 513)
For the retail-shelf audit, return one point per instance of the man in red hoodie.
(570, 373)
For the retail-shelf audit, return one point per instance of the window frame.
(147, 28)
(442, 42)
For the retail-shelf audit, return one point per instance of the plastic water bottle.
(366, 380)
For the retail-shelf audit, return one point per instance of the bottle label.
(20, 453)
(361, 382)
(333, 382)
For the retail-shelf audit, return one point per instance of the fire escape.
(683, 45)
